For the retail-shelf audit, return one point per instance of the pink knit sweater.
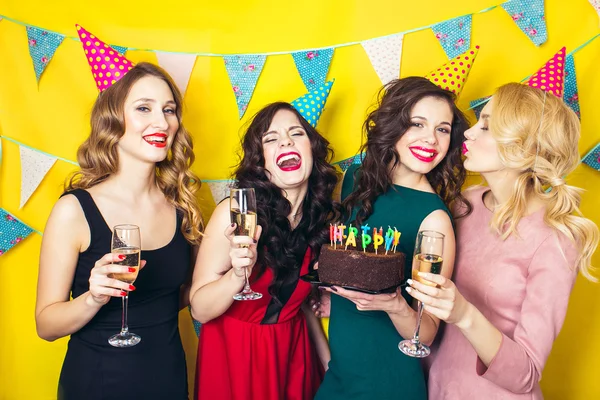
(522, 286)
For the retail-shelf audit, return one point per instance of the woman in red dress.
(273, 347)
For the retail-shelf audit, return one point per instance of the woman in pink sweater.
(517, 252)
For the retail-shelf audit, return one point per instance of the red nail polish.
(123, 293)
(131, 287)
(122, 256)
(232, 225)
(131, 269)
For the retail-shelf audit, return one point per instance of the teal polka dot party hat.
(310, 105)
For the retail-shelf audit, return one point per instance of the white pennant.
(34, 166)
(385, 54)
(220, 190)
(179, 66)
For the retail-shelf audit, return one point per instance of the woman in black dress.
(134, 170)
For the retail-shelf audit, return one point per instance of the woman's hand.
(243, 252)
(443, 301)
(392, 303)
(102, 285)
(320, 303)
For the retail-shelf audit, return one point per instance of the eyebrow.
(290, 129)
(148, 100)
(425, 119)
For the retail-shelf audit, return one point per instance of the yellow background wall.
(54, 118)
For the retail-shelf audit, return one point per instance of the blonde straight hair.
(98, 157)
(538, 135)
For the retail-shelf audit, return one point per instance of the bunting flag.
(385, 55)
(346, 163)
(476, 107)
(42, 46)
(179, 66)
(571, 96)
(313, 66)
(593, 158)
(12, 231)
(596, 5)
(530, 17)
(34, 166)
(454, 35)
(197, 324)
(220, 189)
(120, 49)
(243, 71)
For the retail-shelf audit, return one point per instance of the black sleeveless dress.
(155, 368)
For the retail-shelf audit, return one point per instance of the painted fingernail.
(131, 287)
(122, 256)
(423, 274)
(255, 241)
(123, 293)
(409, 289)
(232, 225)
(131, 269)
(409, 281)
(334, 289)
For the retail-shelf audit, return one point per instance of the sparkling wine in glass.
(126, 241)
(429, 248)
(243, 214)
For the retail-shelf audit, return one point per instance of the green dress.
(365, 360)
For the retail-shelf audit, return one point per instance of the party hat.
(310, 105)
(108, 66)
(452, 75)
(551, 76)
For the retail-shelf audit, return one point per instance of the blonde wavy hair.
(538, 135)
(98, 157)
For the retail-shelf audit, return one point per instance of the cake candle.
(377, 238)
(366, 238)
(389, 239)
(351, 238)
(331, 234)
(396, 238)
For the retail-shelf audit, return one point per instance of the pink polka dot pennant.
(551, 76)
(108, 66)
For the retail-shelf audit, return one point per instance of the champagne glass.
(243, 213)
(126, 241)
(429, 249)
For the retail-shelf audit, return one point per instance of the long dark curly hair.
(280, 247)
(384, 126)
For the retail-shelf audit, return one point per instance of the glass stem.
(419, 316)
(124, 327)
(247, 284)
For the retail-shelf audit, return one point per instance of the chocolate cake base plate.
(313, 278)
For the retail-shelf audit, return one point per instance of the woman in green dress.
(410, 174)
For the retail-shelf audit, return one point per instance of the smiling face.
(151, 120)
(287, 151)
(481, 148)
(425, 144)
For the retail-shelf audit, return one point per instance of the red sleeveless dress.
(259, 350)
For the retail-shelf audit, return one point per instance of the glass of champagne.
(429, 249)
(243, 213)
(126, 241)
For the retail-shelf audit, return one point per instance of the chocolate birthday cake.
(360, 269)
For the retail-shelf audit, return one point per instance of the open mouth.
(289, 161)
(423, 154)
(156, 139)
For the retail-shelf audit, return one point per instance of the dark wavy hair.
(280, 247)
(384, 126)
